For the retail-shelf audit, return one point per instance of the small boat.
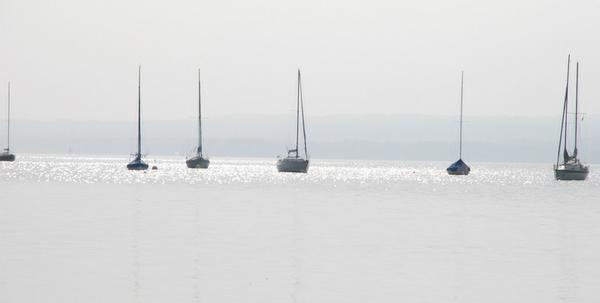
(294, 162)
(571, 168)
(137, 163)
(5, 155)
(460, 167)
(198, 160)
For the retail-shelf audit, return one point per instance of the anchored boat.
(294, 162)
(571, 168)
(460, 167)
(5, 155)
(198, 160)
(137, 163)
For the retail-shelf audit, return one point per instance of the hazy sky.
(77, 59)
(514, 139)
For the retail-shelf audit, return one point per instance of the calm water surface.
(84, 229)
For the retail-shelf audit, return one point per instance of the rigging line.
(461, 113)
(139, 152)
(199, 115)
(566, 112)
(576, 106)
(562, 123)
(8, 122)
(298, 113)
(303, 123)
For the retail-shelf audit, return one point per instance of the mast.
(139, 149)
(302, 109)
(576, 106)
(298, 114)
(564, 114)
(199, 115)
(462, 74)
(8, 122)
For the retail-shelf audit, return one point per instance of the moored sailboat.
(460, 167)
(198, 160)
(5, 155)
(571, 168)
(294, 162)
(137, 163)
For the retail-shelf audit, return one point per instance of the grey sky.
(77, 59)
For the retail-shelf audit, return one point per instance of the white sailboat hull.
(293, 163)
(572, 169)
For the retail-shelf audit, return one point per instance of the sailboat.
(460, 167)
(571, 168)
(137, 163)
(198, 160)
(5, 155)
(294, 162)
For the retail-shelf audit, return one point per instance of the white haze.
(77, 60)
(394, 137)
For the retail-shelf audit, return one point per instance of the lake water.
(84, 229)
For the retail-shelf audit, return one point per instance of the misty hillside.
(344, 137)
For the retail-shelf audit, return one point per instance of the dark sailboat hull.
(197, 162)
(458, 168)
(571, 174)
(292, 165)
(458, 172)
(137, 165)
(7, 157)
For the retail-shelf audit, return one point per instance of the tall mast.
(566, 153)
(298, 114)
(462, 74)
(576, 106)
(302, 109)
(139, 150)
(563, 127)
(199, 115)
(566, 113)
(8, 122)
